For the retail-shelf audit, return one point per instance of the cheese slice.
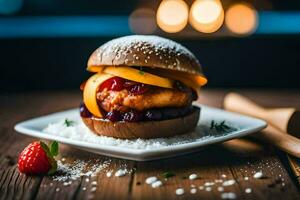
(139, 76)
(197, 79)
(90, 92)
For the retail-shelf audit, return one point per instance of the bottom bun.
(147, 129)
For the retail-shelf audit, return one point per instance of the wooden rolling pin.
(278, 120)
(285, 119)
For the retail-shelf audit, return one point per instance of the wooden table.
(234, 159)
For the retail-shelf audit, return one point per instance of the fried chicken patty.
(123, 101)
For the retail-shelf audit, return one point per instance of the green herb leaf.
(54, 148)
(168, 174)
(212, 124)
(220, 127)
(68, 122)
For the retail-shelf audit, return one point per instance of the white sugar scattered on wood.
(109, 174)
(193, 191)
(94, 183)
(65, 184)
(248, 190)
(156, 184)
(209, 183)
(228, 182)
(228, 195)
(151, 180)
(78, 168)
(179, 191)
(120, 172)
(258, 175)
(193, 176)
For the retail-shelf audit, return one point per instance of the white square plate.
(174, 146)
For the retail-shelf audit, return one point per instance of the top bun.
(146, 51)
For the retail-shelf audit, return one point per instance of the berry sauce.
(84, 112)
(117, 84)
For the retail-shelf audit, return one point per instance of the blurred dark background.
(46, 44)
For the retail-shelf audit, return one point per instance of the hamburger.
(142, 87)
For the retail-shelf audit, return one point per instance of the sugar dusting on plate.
(78, 131)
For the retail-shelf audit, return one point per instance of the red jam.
(118, 84)
(114, 84)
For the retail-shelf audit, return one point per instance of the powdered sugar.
(80, 132)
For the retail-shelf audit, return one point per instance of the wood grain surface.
(235, 159)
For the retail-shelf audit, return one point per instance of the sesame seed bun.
(146, 51)
(161, 55)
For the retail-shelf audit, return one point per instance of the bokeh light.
(241, 19)
(172, 15)
(142, 21)
(8, 7)
(206, 16)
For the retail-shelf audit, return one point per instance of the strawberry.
(37, 158)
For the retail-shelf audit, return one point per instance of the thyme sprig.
(221, 127)
(68, 122)
(167, 174)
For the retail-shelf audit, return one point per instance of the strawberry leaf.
(53, 166)
(51, 160)
(46, 148)
(54, 148)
